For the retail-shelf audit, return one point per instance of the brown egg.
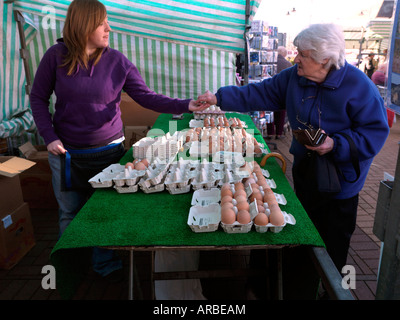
(140, 166)
(260, 208)
(226, 185)
(240, 198)
(240, 192)
(269, 196)
(243, 205)
(129, 164)
(256, 195)
(239, 185)
(243, 217)
(145, 162)
(255, 186)
(226, 192)
(226, 198)
(276, 216)
(249, 181)
(227, 205)
(261, 219)
(228, 216)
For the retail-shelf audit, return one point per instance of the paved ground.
(23, 282)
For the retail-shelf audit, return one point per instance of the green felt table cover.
(160, 219)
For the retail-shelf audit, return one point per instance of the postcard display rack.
(263, 54)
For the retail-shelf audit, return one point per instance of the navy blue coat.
(347, 101)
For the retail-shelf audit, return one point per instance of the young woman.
(85, 134)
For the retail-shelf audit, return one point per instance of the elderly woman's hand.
(324, 148)
(207, 98)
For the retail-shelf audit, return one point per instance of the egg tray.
(204, 218)
(200, 149)
(289, 219)
(126, 189)
(178, 189)
(115, 174)
(199, 123)
(207, 200)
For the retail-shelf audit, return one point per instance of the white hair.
(325, 41)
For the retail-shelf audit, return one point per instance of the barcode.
(204, 221)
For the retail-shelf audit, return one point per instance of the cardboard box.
(37, 188)
(133, 114)
(11, 196)
(16, 236)
(134, 134)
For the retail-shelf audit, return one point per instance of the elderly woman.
(321, 91)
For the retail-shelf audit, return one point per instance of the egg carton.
(102, 180)
(204, 218)
(230, 177)
(199, 149)
(126, 189)
(143, 148)
(203, 197)
(180, 181)
(232, 123)
(177, 189)
(289, 219)
(194, 123)
(155, 175)
(114, 168)
(207, 182)
(280, 198)
(236, 227)
(128, 177)
(227, 157)
(152, 189)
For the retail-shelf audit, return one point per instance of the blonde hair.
(83, 18)
(326, 41)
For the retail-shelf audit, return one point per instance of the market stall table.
(158, 221)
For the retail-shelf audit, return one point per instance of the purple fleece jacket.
(87, 109)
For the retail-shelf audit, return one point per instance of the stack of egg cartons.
(142, 149)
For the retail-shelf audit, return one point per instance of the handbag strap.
(353, 155)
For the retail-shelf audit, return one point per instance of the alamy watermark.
(49, 280)
(349, 278)
(49, 20)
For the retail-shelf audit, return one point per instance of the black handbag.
(322, 173)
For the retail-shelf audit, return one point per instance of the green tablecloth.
(160, 219)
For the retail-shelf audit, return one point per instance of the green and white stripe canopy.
(181, 47)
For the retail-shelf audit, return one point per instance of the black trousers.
(335, 219)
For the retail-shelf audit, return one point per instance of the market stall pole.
(387, 229)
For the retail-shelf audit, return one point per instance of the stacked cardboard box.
(16, 231)
(37, 188)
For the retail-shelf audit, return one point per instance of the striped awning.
(181, 47)
(380, 29)
(216, 24)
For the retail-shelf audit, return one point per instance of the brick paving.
(23, 282)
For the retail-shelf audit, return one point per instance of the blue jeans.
(70, 202)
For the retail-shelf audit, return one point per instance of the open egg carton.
(288, 219)
(153, 180)
(180, 175)
(210, 111)
(205, 212)
(123, 179)
(207, 175)
(206, 179)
